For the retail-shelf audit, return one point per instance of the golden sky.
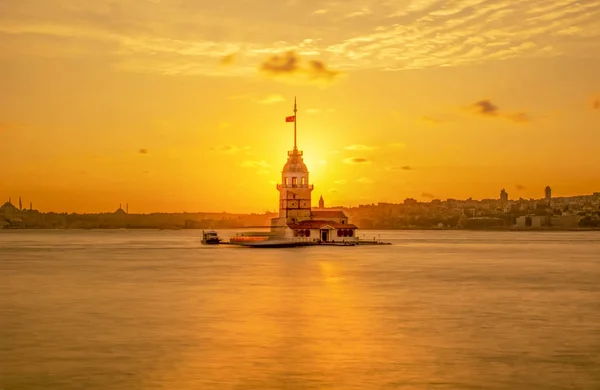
(180, 105)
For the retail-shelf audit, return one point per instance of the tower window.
(286, 181)
(294, 181)
(303, 181)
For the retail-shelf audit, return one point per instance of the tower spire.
(295, 121)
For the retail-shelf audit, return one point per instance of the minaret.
(321, 202)
(20, 204)
(127, 208)
(294, 190)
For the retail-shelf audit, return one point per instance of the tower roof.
(295, 162)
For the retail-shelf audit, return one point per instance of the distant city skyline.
(317, 203)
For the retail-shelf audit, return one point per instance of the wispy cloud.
(228, 59)
(399, 168)
(359, 147)
(409, 34)
(255, 164)
(520, 187)
(486, 108)
(433, 120)
(427, 195)
(362, 12)
(271, 99)
(357, 160)
(143, 151)
(228, 149)
(364, 180)
(340, 181)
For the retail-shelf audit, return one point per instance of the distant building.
(548, 193)
(321, 202)
(503, 197)
(120, 211)
(8, 211)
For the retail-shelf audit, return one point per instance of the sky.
(180, 105)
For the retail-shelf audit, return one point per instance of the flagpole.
(295, 120)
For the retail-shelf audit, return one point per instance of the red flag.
(290, 118)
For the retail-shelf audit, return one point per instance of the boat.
(210, 238)
(268, 240)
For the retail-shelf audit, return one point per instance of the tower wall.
(295, 190)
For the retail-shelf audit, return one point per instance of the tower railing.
(309, 186)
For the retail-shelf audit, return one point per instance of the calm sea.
(437, 310)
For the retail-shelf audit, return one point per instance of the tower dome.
(295, 162)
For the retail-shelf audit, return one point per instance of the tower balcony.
(295, 152)
(287, 186)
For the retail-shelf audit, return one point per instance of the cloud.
(362, 12)
(312, 111)
(228, 59)
(229, 149)
(271, 99)
(392, 35)
(486, 108)
(357, 160)
(255, 164)
(290, 64)
(365, 180)
(399, 168)
(143, 151)
(433, 120)
(520, 187)
(427, 195)
(519, 117)
(340, 182)
(359, 147)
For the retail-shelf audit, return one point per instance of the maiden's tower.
(296, 217)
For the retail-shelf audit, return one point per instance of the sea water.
(150, 309)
